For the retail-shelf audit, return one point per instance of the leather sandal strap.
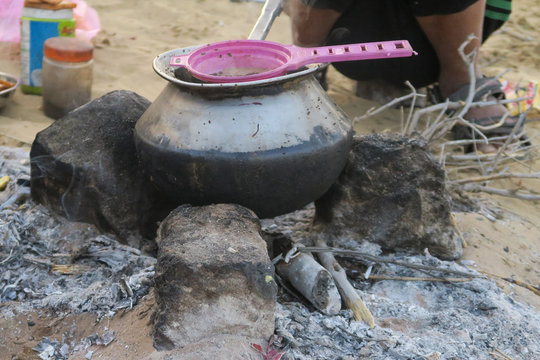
(505, 128)
(485, 86)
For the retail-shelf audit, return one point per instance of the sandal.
(485, 87)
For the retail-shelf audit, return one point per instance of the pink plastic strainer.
(249, 60)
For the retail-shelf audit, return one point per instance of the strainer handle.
(348, 52)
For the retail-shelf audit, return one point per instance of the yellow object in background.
(4, 180)
(531, 92)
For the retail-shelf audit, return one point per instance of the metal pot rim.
(162, 68)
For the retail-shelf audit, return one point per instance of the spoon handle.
(270, 10)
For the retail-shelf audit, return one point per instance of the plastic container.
(67, 75)
(37, 25)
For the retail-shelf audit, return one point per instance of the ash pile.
(414, 319)
(48, 262)
(216, 291)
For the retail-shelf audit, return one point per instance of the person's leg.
(435, 29)
(310, 26)
(435, 37)
(446, 34)
(311, 22)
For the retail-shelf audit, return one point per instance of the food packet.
(87, 19)
(531, 92)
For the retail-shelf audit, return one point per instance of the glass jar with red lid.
(67, 75)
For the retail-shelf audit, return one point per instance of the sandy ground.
(134, 34)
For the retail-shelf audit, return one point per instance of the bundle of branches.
(434, 123)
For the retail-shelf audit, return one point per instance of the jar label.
(34, 32)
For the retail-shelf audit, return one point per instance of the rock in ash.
(392, 192)
(85, 167)
(214, 280)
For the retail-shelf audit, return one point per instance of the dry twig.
(8, 257)
(530, 287)
(513, 193)
(496, 177)
(510, 138)
(413, 278)
(498, 354)
(347, 291)
(517, 35)
(381, 260)
(375, 111)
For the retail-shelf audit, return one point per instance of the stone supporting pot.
(213, 278)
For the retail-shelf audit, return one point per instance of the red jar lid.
(68, 49)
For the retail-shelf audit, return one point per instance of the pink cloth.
(10, 13)
(87, 19)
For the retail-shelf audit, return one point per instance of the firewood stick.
(513, 281)
(513, 193)
(497, 176)
(412, 278)
(348, 292)
(313, 281)
(381, 260)
(498, 354)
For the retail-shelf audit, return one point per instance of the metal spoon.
(269, 12)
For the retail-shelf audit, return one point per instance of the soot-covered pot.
(271, 145)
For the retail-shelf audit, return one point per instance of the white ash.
(414, 320)
(51, 350)
(100, 274)
(48, 349)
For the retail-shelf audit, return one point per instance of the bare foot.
(495, 111)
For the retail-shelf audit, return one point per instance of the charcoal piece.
(214, 279)
(84, 166)
(391, 192)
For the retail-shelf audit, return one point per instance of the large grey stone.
(392, 192)
(213, 278)
(85, 167)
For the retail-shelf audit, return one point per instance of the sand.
(134, 32)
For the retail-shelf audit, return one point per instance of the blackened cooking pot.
(272, 145)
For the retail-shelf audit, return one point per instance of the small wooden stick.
(313, 281)
(412, 278)
(513, 281)
(500, 355)
(497, 176)
(411, 110)
(348, 292)
(497, 356)
(381, 260)
(512, 193)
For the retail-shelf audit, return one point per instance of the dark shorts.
(418, 7)
(382, 20)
